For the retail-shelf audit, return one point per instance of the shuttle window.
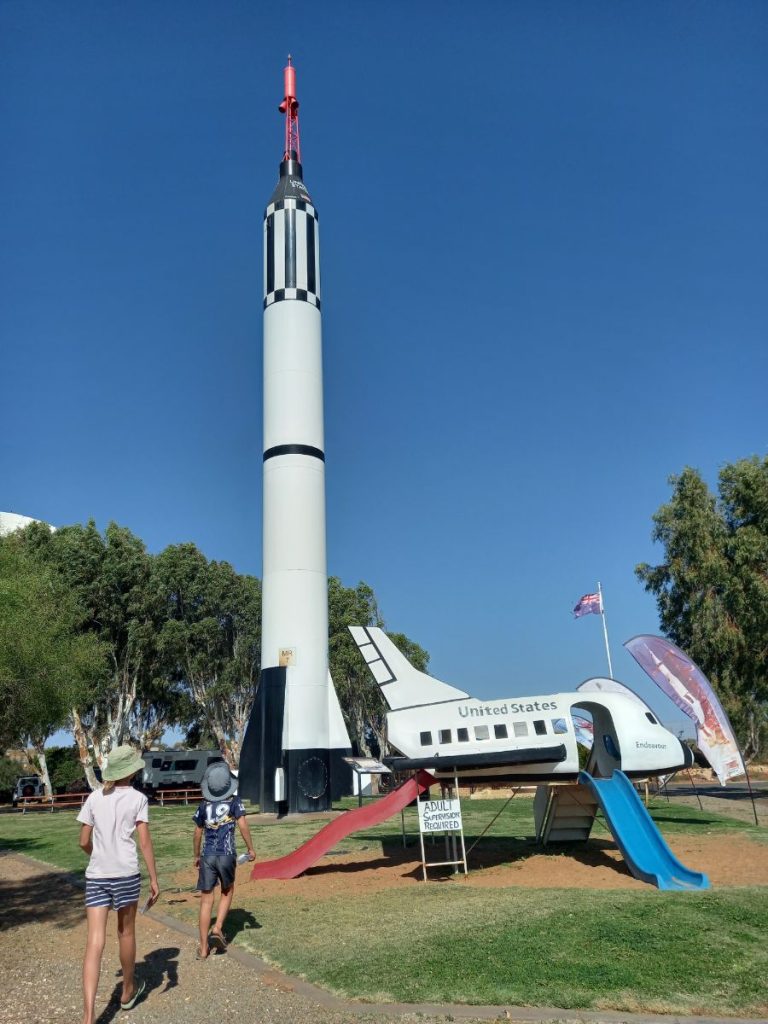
(540, 727)
(482, 732)
(559, 726)
(184, 766)
(650, 718)
(165, 766)
(500, 732)
(445, 736)
(425, 738)
(462, 735)
(156, 762)
(214, 760)
(521, 728)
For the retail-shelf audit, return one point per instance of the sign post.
(365, 767)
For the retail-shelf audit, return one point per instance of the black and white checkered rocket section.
(291, 759)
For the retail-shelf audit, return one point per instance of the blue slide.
(642, 845)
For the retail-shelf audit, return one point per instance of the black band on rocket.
(294, 449)
(291, 293)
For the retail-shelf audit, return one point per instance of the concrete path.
(42, 937)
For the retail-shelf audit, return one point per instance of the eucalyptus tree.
(712, 587)
(209, 641)
(109, 575)
(47, 663)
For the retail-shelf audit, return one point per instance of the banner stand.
(749, 787)
(444, 816)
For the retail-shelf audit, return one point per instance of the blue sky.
(544, 262)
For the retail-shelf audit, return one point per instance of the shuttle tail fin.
(401, 684)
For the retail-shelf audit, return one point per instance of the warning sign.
(440, 815)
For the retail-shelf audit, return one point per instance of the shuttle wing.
(401, 684)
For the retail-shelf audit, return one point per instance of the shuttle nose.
(687, 755)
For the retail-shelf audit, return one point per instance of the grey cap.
(218, 782)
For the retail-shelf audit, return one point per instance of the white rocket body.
(301, 731)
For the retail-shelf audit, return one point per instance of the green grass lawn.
(624, 949)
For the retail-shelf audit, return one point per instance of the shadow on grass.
(239, 920)
(667, 819)
(159, 970)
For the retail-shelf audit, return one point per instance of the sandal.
(199, 955)
(140, 987)
(218, 940)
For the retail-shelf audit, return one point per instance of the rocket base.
(312, 778)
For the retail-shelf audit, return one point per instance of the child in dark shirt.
(215, 819)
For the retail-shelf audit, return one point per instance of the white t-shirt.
(113, 817)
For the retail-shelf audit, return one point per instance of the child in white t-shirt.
(109, 818)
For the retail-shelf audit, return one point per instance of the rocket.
(292, 755)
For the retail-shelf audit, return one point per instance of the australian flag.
(589, 604)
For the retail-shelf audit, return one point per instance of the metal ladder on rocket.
(291, 760)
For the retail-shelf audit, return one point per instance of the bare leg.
(94, 947)
(225, 902)
(126, 938)
(206, 908)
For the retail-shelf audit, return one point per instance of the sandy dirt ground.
(727, 860)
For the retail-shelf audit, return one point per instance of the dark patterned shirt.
(217, 818)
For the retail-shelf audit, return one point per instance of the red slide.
(294, 864)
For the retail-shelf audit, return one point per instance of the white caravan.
(443, 729)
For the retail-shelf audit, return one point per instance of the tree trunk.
(84, 756)
(39, 747)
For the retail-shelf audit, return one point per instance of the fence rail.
(71, 801)
(178, 796)
(57, 802)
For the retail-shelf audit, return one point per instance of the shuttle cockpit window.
(445, 736)
(540, 727)
(425, 738)
(156, 762)
(462, 735)
(521, 728)
(500, 732)
(559, 726)
(650, 718)
(482, 732)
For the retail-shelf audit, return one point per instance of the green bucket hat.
(122, 762)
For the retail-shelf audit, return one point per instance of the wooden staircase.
(563, 814)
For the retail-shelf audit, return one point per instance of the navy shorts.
(216, 868)
(115, 893)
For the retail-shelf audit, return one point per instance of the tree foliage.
(9, 772)
(109, 574)
(47, 663)
(176, 639)
(712, 587)
(361, 702)
(210, 640)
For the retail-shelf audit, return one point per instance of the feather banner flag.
(686, 686)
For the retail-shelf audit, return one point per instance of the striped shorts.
(112, 892)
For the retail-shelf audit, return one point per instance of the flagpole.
(605, 630)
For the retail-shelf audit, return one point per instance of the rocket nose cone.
(291, 184)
